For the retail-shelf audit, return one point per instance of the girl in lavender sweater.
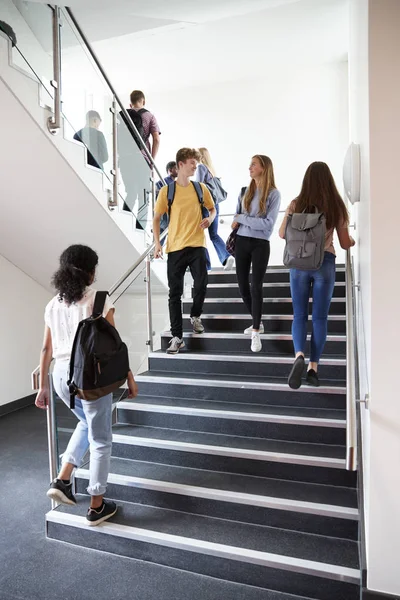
(257, 212)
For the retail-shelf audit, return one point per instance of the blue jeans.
(320, 285)
(92, 431)
(219, 244)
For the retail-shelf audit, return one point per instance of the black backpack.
(124, 131)
(99, 359)
(199, 191)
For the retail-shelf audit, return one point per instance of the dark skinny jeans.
(178, 261)
(252, 253)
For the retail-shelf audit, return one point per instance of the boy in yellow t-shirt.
(186, 244)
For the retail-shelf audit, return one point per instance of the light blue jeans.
(92, 431)
(320, 285)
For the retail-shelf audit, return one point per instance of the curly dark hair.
(77, 266)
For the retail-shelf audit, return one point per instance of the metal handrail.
(135, 265)
(128, 121)
(351, 401)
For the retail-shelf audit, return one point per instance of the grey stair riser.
(276, 431)
(258, 468)
(269, 308)
(230, 367)
(268, 292)
(282, 519)
(270, 325)
(270, 277)
(287, 397)
(200, 343)
(266, 577)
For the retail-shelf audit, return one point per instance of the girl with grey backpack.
(308, 227)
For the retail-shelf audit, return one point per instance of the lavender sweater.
(258, 226)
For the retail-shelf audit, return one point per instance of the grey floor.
(34, 568)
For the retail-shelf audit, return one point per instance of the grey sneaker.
(175, 345)
(198, 326)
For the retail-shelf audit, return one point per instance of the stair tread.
(260, 486)
(305, 546)
(264, 357)
(289, 411)
(230, 441)
(199, 377)
(240, 335)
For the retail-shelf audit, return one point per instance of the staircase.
(220, 469)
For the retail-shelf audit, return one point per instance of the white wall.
(375, 101)
(295, 116)
(384, 101)
(359, 133)
(22, 304)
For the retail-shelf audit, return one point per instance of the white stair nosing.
(259, 358)
(250, 385)
(207, 493)
(269, 271)
(243, 336)
(229, 414)
(246, 453)
(282, 284)
(254, 557)
(269, 317)
(236, 300)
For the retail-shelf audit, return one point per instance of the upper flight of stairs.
(220, 469)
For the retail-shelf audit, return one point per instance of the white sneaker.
(255, 342)
(229, 263)
(198, 326)
(175, 345)
(249, 330)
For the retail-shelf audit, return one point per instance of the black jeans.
(195, 259)
(252, 252)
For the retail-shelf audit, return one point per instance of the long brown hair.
(319, 189)
(267, 184)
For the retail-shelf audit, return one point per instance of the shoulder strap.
(199, 191)
(99, 302)
(70, 383)
(171, 195)
(142, 110)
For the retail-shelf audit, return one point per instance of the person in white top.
(73, 303)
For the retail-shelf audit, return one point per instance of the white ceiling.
(273, 34)
(175, 44)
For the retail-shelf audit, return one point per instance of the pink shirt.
(150, 126)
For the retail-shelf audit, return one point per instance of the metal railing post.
(114, 171)
(54, 122)
(149, 342)
(52, 436)
(351, 414)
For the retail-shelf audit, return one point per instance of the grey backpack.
(305, 241)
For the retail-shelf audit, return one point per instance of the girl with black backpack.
(319, 193)
(73, 303)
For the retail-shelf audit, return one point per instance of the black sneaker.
(61, 492)
(312, 378)
(294, 379)
(95, 516)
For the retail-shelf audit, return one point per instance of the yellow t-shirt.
(184, 229)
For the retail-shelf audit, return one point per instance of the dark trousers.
(254, 253)
(195, 259)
